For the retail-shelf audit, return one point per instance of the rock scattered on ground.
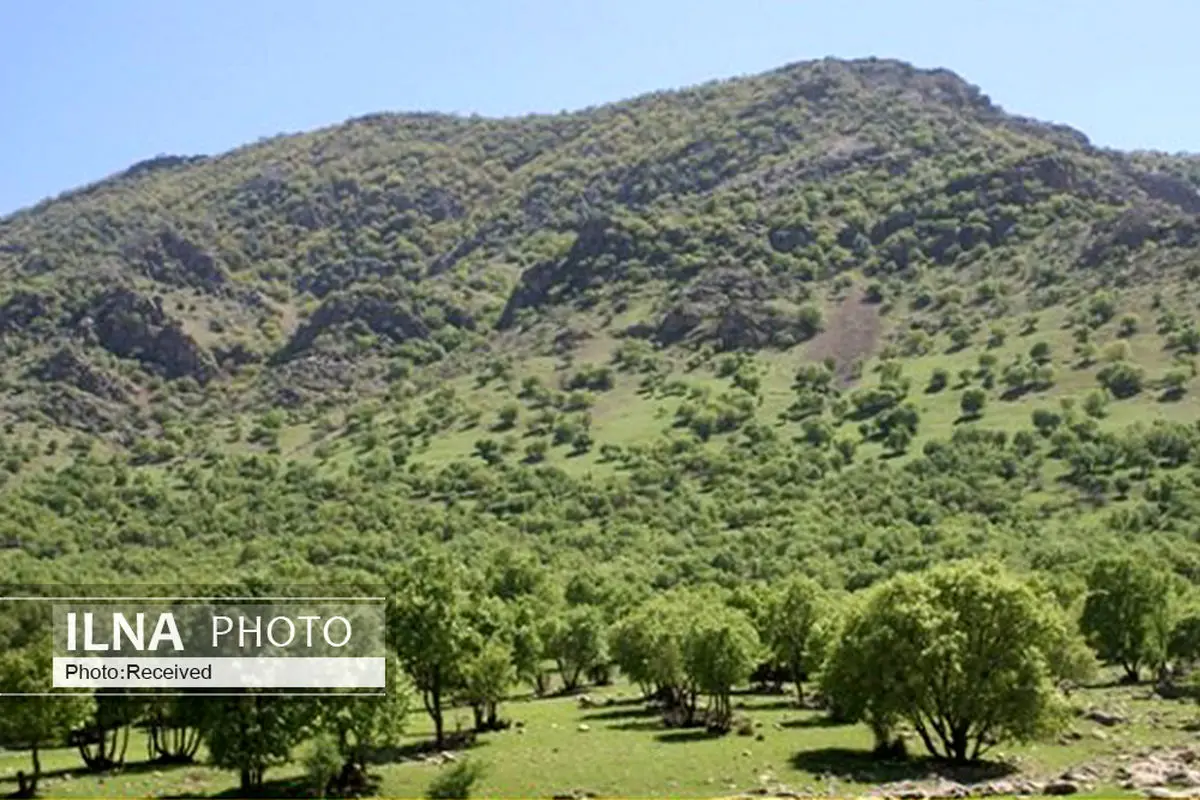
(1165, 769)
(1105, 718)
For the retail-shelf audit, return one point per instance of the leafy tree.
(104, 741)
(960, 337)
(796, 628)
(972, 403)
(576, 641)
(430, 631)
(938, 380)
(528, 645)
(535, 451)
(966, 654)
(648, 647)
(1118, 351)
(1128, 326)
(898, 440)
(1122, 379)
(252, 732)
(489, 450)
(720, 651)
(487, 677)
(1184, 643)
(358, 725)
(1126, 598)
(1174, 385)
(1040, 353)
(506, 418)
(1101, 307)
(174, 728)
(1095, 404)
(322, 763)
(32, 722)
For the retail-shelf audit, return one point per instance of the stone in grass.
(1060, 787)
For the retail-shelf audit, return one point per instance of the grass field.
(622, 750)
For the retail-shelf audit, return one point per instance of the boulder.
(1105, 718)
(1061, 787)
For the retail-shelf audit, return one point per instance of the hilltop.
(311, 269)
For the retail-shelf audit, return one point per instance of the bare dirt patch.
(850, 334)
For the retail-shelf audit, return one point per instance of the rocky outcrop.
(23, 311)
(601, 248)
(68, 366)
(735, 309)
(382, 311)
(1146, 222)
(1168, 769)
(176, 260)
(1166, 188)
(338, 275)
(129, 325)
(71, 408)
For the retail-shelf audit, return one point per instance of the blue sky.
(88, 87)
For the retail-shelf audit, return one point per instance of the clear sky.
(88, 87)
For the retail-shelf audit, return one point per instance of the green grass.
(627, 753)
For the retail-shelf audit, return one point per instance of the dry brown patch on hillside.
(850, 334)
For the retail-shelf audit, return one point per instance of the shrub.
(1121, 378)
(1046, 421)
(1117, 351)
(1040, 353)
(1095, 404)
(1128, 326)
(322, 763)
(455, 782)
(972, 402)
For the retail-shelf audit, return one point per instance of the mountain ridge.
(403, 239)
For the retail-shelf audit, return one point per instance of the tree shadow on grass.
(655, 724)
(814, 721)
(864, 767)
(282, 787)
(415, 750)
(768, 705)
(683, 737)
(130, 768)
(622, 713)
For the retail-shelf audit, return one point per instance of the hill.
(827, 266)
(313, 268)
(669, 380)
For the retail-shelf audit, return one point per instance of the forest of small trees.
(965, 655)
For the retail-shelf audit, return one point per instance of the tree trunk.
(438, 722)
(960, 745)
(28, 788)
(432, 698)
(124, 745)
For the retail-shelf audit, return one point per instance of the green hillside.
(847, 320)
